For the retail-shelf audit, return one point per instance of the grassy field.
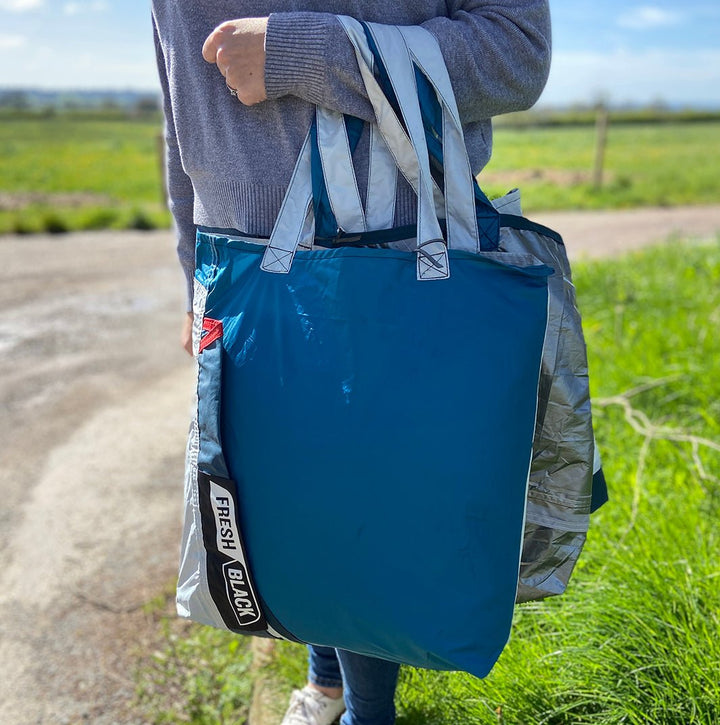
(636, 639)
(85, 173)
(80, 173)
(645, 165)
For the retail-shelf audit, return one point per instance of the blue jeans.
(369, 683)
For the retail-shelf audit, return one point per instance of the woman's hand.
(237, 47)
(186, 333)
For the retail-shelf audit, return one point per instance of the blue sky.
(623, 51)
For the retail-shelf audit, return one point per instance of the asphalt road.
(95, 399)
(94, 394)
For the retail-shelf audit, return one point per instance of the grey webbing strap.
(339, 172)
(432, 257)
(341, 182)
(295, 223)
(458, 207)
(462, 229)
(392, 131)
(294, 226)
(382, 184)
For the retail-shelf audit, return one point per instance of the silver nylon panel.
(560, 487)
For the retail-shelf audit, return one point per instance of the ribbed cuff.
(295, 54)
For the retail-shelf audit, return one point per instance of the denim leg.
(324, 668)
(369, 689)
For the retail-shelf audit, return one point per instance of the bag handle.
(479, 227)
(383, 166)
(460, 211)
(382, 183)
(295, 224)
(340, 186)
(432, 259)
(388, 126)
(441, 119)
(420, 46)
(340, 182)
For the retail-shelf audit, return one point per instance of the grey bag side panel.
(561, 474)
(193, 599)
(548, 559)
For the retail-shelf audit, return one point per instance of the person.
(240, 81)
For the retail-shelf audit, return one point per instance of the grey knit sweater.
(228, 165)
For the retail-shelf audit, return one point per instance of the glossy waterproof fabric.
(565, 464)
(379, 431)
(561, 475)
(369, 416)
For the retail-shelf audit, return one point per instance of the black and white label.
(227, 535)
(240, 594)
(228, 573)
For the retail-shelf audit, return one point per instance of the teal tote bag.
(357, 471)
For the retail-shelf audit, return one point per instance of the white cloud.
(20, 6)
(648, 16)
(635, 76)
(75, 8)
(10, 42)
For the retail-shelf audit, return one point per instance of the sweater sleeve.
(180, 192)
(497, 53)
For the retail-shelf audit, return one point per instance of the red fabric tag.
(213, 330)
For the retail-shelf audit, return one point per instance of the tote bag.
(566, 478)
(357, 471)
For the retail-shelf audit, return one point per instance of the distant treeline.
(546, 117)
(81, 114)
(121, 105)
(38, 103)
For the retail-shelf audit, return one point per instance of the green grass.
(111, 171)
(117, 158)
(91, 173)
(636, 639)
(35, 218)
(645, 165)
(194, 675)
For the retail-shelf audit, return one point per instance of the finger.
(221, 59)
(210, 46)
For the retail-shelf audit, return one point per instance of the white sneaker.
(309, 706)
